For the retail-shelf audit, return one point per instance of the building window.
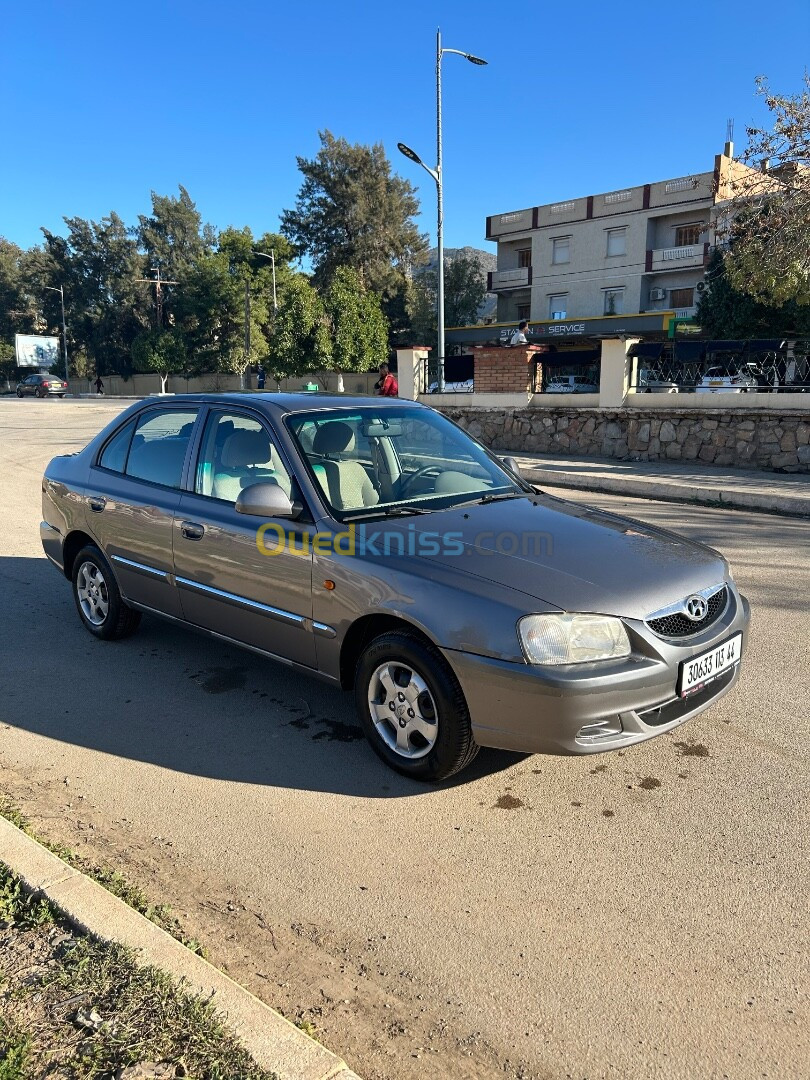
(524, 256)
(561, 252)
(614, 301)
(681, 298)
(616, 242)
(558, 306)
(687, 235)
(524, 312)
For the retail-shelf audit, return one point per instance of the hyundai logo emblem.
(695, 608)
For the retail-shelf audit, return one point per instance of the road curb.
(642, 487)
(274, 1043)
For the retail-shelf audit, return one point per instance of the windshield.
(371, 461)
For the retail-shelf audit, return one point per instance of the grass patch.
(112, 880)
(82, 1009)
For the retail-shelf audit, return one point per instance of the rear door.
(134, 488)
(241, 576)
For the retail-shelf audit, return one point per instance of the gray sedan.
(373, 543)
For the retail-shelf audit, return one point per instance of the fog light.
(602, 730)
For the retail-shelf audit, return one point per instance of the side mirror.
(511, 465)
(266, 500)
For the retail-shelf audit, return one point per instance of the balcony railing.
(501, 280)
(685, 312)
(676, 258)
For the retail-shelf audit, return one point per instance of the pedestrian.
(519, 336)
(99, 385)
(386, 385)
(260, 378)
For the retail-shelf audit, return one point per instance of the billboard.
(36, 352)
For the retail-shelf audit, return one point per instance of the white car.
(465, 387)
(651, 381)
(570, 384)
(727, 379)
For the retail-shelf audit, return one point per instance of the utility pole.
(247, 332)
(61, 292)
(158, 282)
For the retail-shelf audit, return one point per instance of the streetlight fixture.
(272, 258)
(61, 292)
(437, 177)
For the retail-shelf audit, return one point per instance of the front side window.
(236, 452)
(616, 242)
(372, 461)
(524, 312)
(561, 249)
(614, 301)
(159, 446)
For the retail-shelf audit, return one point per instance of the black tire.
(19, 392)
(119, 619)
(454, 746)
(42, 393)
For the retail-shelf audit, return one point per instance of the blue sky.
(105, 101)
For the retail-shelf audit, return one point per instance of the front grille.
(678, 625)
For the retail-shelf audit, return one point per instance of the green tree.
(352, 211)
(358, 328)
(97, 264)
(174, 239)
(767, 228)
(726, 312)
(160, 351)
(300, 341)
(465, 288)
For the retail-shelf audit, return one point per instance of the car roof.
(280, 404)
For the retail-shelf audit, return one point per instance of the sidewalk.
(739, 489)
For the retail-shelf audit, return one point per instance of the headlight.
(572, 639)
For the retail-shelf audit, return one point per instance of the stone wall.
(756, 440)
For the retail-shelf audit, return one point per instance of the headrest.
(332, 438)
(246, 448)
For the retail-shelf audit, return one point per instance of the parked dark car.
(373, 543)
(42, 386)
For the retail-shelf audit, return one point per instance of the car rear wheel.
(412, 708)
(42, 392)
(98, 599)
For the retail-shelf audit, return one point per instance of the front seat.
(243, 450)
(345, 482)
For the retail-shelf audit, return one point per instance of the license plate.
(715, 382)
(694, 674)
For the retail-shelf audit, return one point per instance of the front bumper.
(587, 710)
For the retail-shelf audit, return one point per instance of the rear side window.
(159, 446)
(114, 454)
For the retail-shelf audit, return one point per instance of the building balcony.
(503, 280)
(686, 312)
(676, 258)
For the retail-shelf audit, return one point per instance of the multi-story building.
(636, 250)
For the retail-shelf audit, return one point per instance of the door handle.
(191, 530)
(96, 503)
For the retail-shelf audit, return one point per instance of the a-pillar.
(412, 371)
(614, 379)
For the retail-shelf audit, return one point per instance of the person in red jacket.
(387, 385)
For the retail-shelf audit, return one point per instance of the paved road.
(641, 915)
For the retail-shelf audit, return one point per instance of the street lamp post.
(61, 292)
(437, 177)
(272, 258)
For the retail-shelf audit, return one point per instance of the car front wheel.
(19, 392)
(101, 607)
(412, 708)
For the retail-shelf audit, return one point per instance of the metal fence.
(737, 367)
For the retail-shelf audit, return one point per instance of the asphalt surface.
(642, 915)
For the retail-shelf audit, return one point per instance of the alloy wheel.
(93, 594)
(403, 710)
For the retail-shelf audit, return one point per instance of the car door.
(240, 576)
(30, 385)
(132, 495)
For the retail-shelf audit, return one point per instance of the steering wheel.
(426, 470)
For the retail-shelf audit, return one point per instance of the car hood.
(572, 557)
